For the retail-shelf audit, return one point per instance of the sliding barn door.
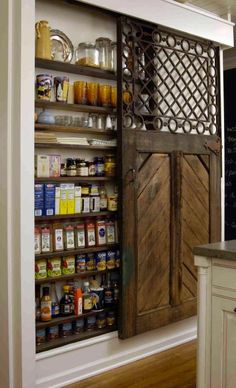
(168, 116)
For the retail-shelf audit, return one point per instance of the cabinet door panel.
(195, 193)
(223, 360)
(153, 233)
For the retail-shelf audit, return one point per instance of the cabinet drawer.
(224, 277)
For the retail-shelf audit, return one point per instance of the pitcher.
(42, 40)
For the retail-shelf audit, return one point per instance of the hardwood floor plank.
(174, 368)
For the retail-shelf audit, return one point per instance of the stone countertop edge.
(219, 250)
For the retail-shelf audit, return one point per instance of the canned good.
(101, 320)
(79, 326)
(40, 336)
(111, 318)
(66, 329)
(52, 333)
(91, 323)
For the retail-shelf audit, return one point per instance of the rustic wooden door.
(171, 187)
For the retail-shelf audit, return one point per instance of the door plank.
(199, 169)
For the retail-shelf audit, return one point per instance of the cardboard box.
(42, 164)
(63, 198)
(78, 200)
(38, 199)
(70, 198)
(57, 199)
(49, 199)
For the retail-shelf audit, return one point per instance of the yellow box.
(70, 198)
(63, 198)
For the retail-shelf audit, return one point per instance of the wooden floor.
(174, 368)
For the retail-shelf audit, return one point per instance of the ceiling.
(221, 8)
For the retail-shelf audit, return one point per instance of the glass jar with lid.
(87, 55)
(104, 48)
(113, 65)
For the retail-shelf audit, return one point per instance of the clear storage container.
(104, 48)
(113, 57)
(87, 55)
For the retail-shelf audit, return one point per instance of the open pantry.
(77, 254)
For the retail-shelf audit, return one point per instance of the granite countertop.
(219, 250)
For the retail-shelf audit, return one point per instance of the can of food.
(101, 258)
(52, 333)
(54, 267)
(66, 329)
(91, 323)
(40, 336)
(80, 263)
(78, 326)
(68, 265)
(41, 269)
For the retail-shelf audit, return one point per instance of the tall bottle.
(46, 305)
(108, 293)
(66, 302)
(55, 302)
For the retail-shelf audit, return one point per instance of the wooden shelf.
(79, 251)
(72, 107)
(71, 129)
(72, 179)
(74, 69)
(70, 318)
(73, 338)
(74, 276)
(70, 216)
(75, 146)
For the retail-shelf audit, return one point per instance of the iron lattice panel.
(170, 82)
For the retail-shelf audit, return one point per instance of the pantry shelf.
(74, 276)
(56, 343)
(70, 318)
(75, 69)
(72, 107)
(75, 179)
(74, 146)
(76, 251)
(70, 216)
(71, 129)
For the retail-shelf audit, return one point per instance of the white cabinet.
(216, 359)
(223, 342)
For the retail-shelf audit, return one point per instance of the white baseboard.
(76, 362)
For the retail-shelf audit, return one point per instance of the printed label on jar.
(46, 243)
(70, 242)
(46, 310)
(59, 240)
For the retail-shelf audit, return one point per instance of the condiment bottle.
(55, 302)
(66, 302)
(110, 166)
(87, 298)
(108, 294)
(46, 306)
(78, 301)
(103, 198)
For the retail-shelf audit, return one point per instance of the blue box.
(49, 199)
(38, 200)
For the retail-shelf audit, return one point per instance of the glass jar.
(80, 92)
(81, 167)
(113, 64)
(87, 55)
(99, 163)
(70, 167)
(104, 49)
(110, 165)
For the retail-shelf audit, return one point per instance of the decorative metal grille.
(170, 82)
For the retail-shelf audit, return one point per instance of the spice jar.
(104, 49)
(99, 163)
(90, 233)
(80, 92)
(69, 236)
(101, 232)
(92, 93)
(110, 165)
(80, 235)
(87, 55)
(70, 167)
(46, 236)
(81, 167)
